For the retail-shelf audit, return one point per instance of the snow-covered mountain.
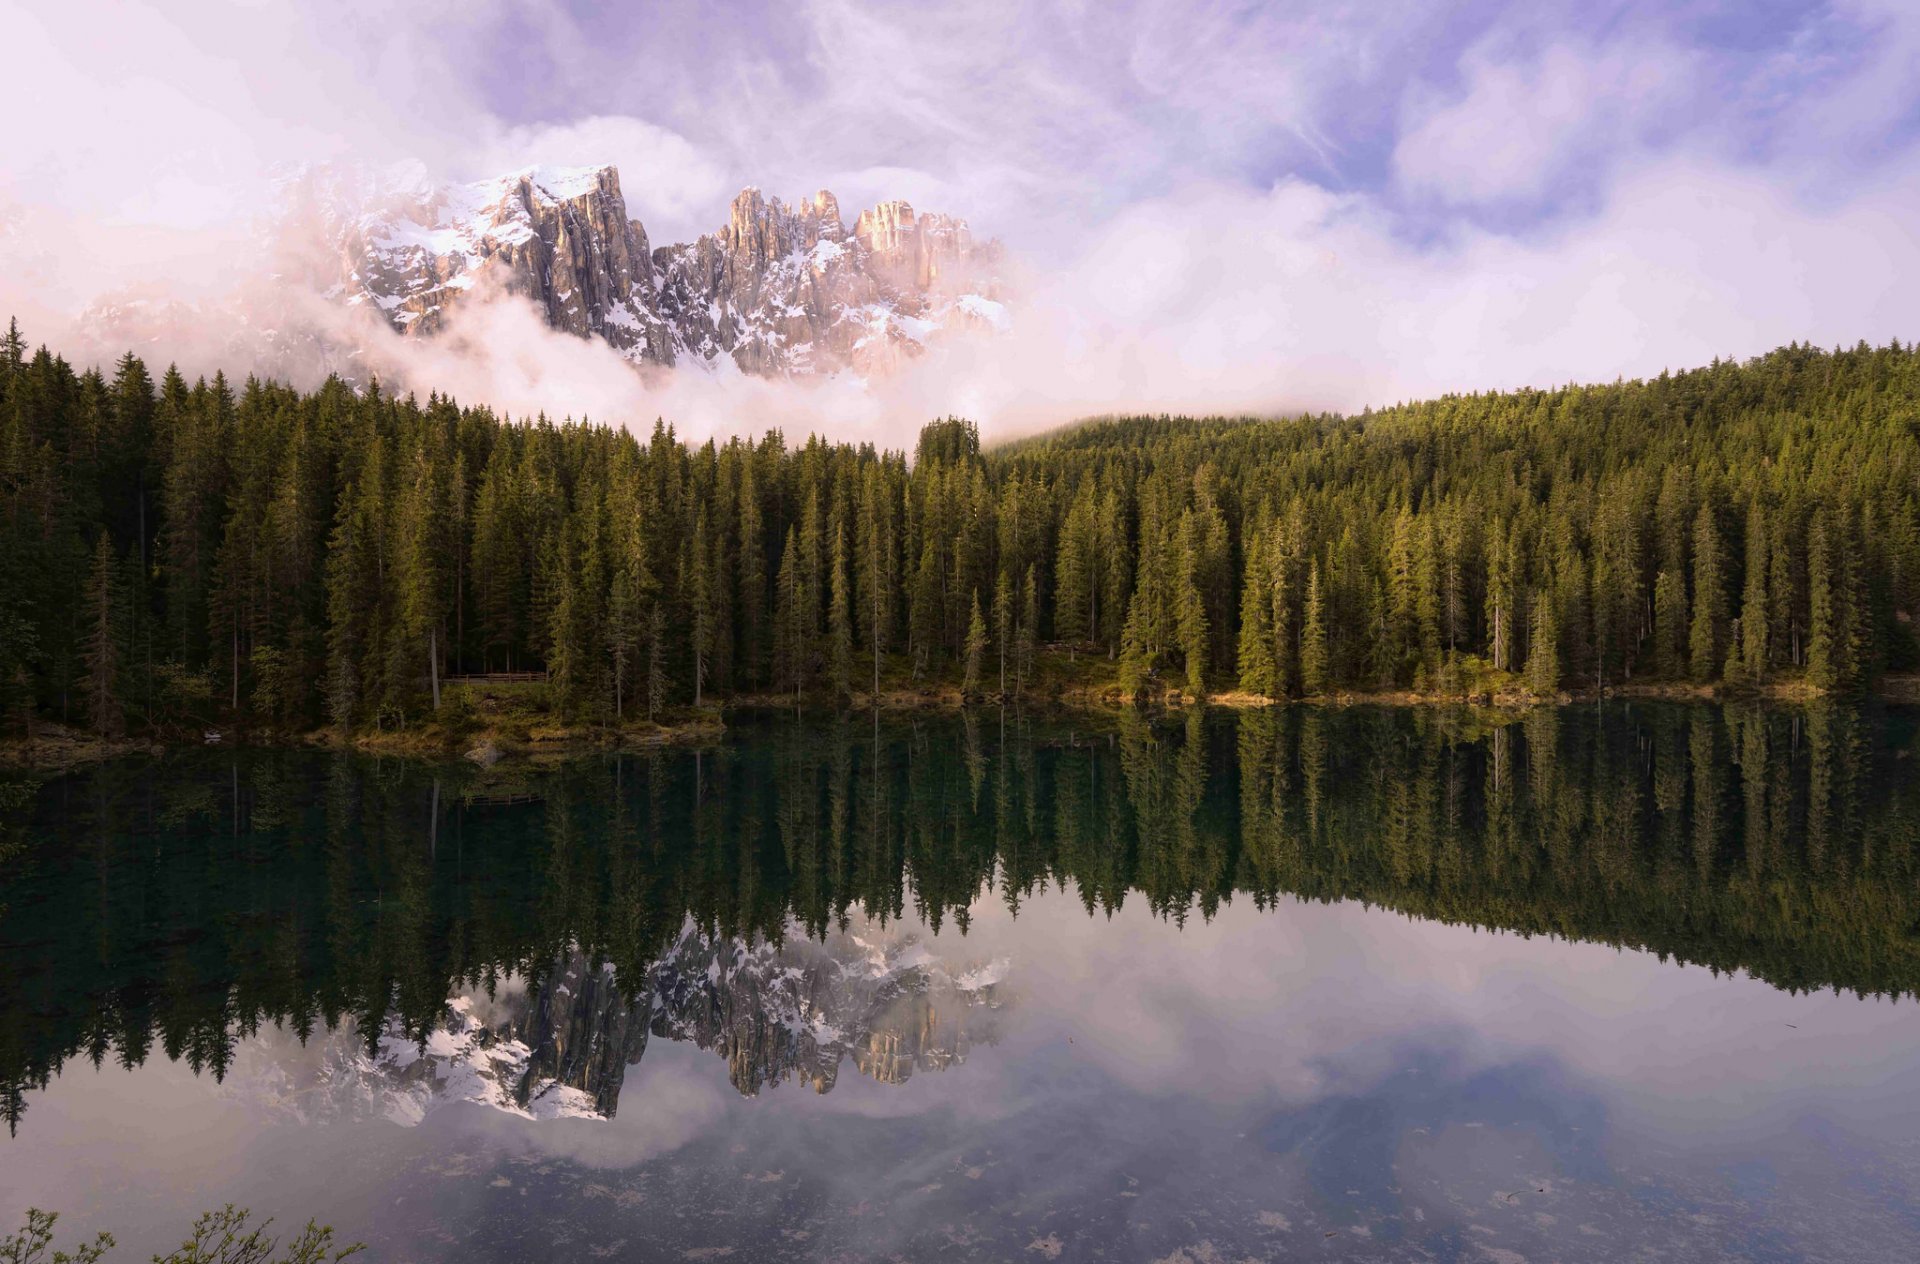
(779, 289)
(776, 1013)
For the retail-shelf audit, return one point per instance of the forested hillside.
(175, 552)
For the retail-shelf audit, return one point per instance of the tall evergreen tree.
(1543, 648)
(1314, 664)
(1255, 652)
(105, 642)
(1707, 642)
(976, 646)
(840, 616)
(1754, 649)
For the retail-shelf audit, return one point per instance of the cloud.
(1524, 128)
(1217, 300)
(1212, 208)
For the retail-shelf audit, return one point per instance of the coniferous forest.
(173, 553)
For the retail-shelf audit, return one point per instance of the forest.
(175, 554)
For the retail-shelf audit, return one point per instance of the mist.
(1520, 214)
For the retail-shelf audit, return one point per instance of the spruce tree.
(976, 647)
(1708, 638)
(1753, 597)
(840, 616)
(700, 599)
(1029, 635)
(790, 640)
(104, 650)
(659, 684)
(1670, 624)
(1003, 623)
(1824, 652)
(752, 604)
(623, 634)
(1314, 676)
(1500, 602)
(1255, 650)
(1543, 648)
(877, 552)
(923, 610)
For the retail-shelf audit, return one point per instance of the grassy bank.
(488, 722)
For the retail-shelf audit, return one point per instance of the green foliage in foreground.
(227, 1236)
(183, 554)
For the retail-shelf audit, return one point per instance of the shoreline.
(60, 748)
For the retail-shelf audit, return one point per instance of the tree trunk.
(433, 663)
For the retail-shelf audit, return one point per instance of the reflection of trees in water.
(188, 904)
(1780, 842)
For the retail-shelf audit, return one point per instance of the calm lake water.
(1599, 984)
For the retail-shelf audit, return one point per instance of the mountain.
(776, 1012)
(779, 289)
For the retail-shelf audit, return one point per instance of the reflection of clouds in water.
(1248, 1084)
(683, 1101)
(1307, 998)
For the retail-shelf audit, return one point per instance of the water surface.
(1633, 982)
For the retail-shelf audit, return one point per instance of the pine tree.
(499, 560)
(623, 633)
(840, 617)
(923, 610)
(1003, 622)
(1825, 650)
(659, 684)
(1753, 597)
(569, 658)
(790, 642)
(752, 605)
(813, 569)
(1074, 580)
(1543, 648)
(1136, 656)
(1500, 600)
(1191, 619)
(877, 551)
(424, 580)
(1114, 550)
(1029, 634)
(105, 649)
(700, 597)
(976, 647)
(1706, 644)
(1255, 650)
(1670, 623)
(1287, 543)
(13, 352)
(1314, 677)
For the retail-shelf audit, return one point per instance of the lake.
(1597, 983)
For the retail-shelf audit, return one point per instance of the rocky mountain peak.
(781, 288)
(776, 1013)
(778, 289)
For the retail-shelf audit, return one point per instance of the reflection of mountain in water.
(182, 905)
(775, 1012)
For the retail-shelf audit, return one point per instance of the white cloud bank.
(154, 133)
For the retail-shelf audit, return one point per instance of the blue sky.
(1218, 205)
(1094, 107)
